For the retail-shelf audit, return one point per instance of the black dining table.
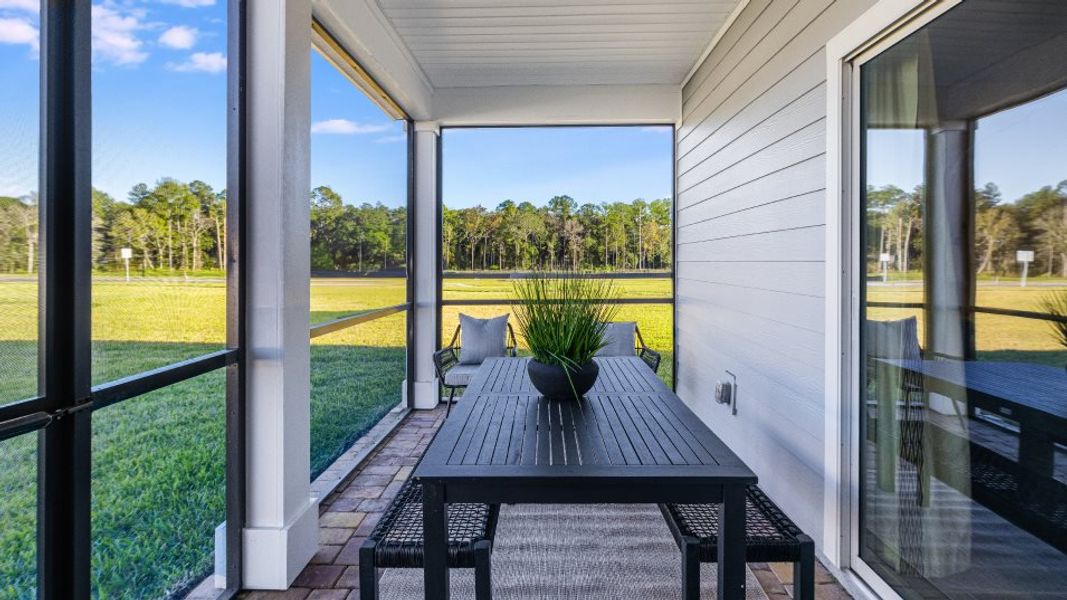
(629, 440)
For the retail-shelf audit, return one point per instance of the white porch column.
(281, 532)
(427, 238)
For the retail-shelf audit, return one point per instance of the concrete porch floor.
(349, 514)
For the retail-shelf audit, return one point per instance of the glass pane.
(359, 175)
(159, 174)
(18, 513)
(19, 130)
(357, 375)
(159, 489)
(964, 414)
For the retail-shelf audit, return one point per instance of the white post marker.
(1026, 257)
(126, 254)
(885, 259)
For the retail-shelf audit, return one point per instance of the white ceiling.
(486, 43)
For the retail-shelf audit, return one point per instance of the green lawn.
(997, 337)
(159, 460)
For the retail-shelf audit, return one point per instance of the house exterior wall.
(751, 167)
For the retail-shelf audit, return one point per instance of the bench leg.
(483, 573)
(690, 569)
(804, 571)
(368, 573)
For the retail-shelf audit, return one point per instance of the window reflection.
(964, 412)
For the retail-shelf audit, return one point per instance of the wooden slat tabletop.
(629, 425)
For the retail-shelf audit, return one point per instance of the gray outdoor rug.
(575, 552)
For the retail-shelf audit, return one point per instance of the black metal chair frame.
(448, 357)
(650, 356)
(769, 537)
(397, 541)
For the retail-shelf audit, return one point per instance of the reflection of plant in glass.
(1055, 304)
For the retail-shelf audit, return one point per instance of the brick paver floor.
(349, 514)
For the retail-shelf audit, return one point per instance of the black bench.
(397, 541)
(769, 537)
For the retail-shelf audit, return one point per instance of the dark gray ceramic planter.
(552, 382)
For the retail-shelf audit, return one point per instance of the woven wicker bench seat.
(397, 541)
(769, 537)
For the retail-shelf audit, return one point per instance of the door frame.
(884, 24)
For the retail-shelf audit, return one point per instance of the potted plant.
(1055, 305)
(563, 317)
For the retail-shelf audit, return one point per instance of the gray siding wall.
(750, 256)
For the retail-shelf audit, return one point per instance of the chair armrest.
(443, 360)
(512, 345)
(651, 358)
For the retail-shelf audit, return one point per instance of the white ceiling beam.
(558, 105)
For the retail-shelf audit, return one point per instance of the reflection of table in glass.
(1033, 395)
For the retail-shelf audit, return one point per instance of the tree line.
(560, 235)
(1037, 221)
(171, 227)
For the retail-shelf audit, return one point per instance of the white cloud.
(189, 3)
(346, 127)
(179, 37)
(19, 31)
(201, 62)
(114, 36)
(391, 139)
(33, 6)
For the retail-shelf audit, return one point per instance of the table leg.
(1036, 450)
(731, 576)
(435, 544)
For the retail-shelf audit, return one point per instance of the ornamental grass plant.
(1055, 304)
(563, 316)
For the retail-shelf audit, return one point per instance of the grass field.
(997, 337)
(159, 460)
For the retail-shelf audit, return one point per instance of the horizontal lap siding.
(751, 197)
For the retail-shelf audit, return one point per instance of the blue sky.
(1020, 149)
(159, 94)
(590, 164)
(356, 149)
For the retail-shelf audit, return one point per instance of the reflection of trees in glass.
(561, 234)
(996, 231)
(896, 219)
(1037, 221)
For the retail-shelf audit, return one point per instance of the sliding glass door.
(963, 393)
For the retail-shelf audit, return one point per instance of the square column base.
(427, 394)
(273, 557)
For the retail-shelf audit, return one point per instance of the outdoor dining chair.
(473, 341)
(624, 339)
